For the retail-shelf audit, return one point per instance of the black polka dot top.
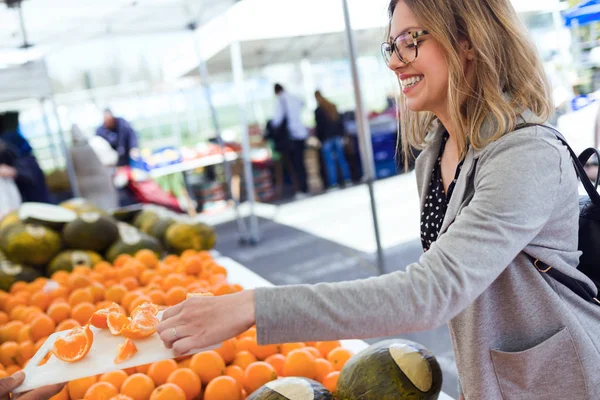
(436, 202)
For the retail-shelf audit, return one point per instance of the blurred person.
(288, 118)
(330, 131)
(121, 136)
(10, 383)
(10, 198)
(30, 179)
(499, 199)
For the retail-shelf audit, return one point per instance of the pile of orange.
(33, 311)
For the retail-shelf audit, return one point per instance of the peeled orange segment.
(116, 321)
(141, 326)
(207, 294)
(145, 307)
(75, 345)
(125, 351)
(98, 319)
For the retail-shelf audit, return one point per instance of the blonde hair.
(330, 109)
(508, 74)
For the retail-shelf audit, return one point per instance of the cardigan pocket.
(549, 370)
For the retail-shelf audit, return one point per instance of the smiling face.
(424, 82)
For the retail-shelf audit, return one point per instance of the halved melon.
(51, 216)
(291, 389)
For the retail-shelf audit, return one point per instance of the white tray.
(99, 360)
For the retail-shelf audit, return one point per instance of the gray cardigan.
(517, 334)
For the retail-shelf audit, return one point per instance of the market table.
(237, 273)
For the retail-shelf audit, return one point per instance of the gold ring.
(175, 333)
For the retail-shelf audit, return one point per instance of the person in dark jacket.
(30, 178)
(121, 136)
(330, 131)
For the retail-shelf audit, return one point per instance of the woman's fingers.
(9, 383)
(175, 333)
(172, 311)
(43, 393)
(183, 346)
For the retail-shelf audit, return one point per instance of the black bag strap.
(578, 287)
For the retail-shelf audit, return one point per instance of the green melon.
(131, 241)
(128, 213)
(10, 219)
(11, 273)
(144, 215)
(180, 237)
(30, 244)
(291, 389)
(159, 228)
(67, 260)
(54, 217)
(392, 369)
(80, 205)
(91, 231)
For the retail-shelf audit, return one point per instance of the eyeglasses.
(405, 45)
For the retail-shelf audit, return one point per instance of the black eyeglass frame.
(415, 35)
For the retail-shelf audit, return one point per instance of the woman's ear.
(467, 48)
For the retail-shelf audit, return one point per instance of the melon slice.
(51, 216)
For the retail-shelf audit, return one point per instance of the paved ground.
(329, 238)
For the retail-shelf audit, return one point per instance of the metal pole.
(52, 144)
(364, 134)
(243, 231)
(238, 78)
(63, 145)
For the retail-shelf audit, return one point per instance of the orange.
(116, 322)
(143, 308)
(175, 295)
(115, 293)
(12, 369)
(78, 281)
(24, 334)
(101, 391)
(168, 391)
(130, 283)
(115, 378)
(142, 325)
(8, 353)
(98, 319)
(171, 259)
(257, 374)
(192, 265)
(59, 293)
(138, 301)
(67, 324)
(312, 350)
(326, 347)
(97, 290)
(286, 348)
(324, 368)
(82, 312)
(128, 270)
(59, 312)
(79, 387)
(25, 352)
(138, 387)
(3, 318)
(105, 269)
(148, 258)
(62, 277)
(157, 297)
(277, 361)
(300, 363)
(188, 381)
(10, 331)
(143, 369)
(125, 351)
(12, 302)
(78, 296)
(161, 370)
(173, 280)
(243, 359)
(40, 343)
(4, 374)
(122, 259)
(121, 397)
(263, 352)
(247, 344)
(236, 373)
(75, 345)
(129, 297)
(227, 350)
(41, 300)
(18, 312)
(147, 276)
(82, 269)
(223, 388)
(208, 365)
(338, 357)
(330, 381)
(19, 287)
(42, 326)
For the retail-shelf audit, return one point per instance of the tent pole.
(238, 78)
(364, 134)
(52, 144)
(242, 229)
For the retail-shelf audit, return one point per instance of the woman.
(492, 196)
(330, 131)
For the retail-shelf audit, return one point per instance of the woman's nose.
(395, 62)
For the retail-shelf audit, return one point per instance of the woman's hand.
(8, 384)
(6, 171)
(199, 322)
